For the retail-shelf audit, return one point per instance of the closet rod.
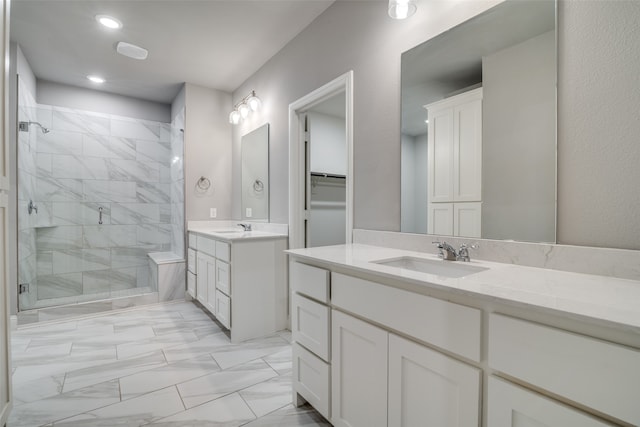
(328, 175)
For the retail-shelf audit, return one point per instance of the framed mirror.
(479, 127)
(255, 174)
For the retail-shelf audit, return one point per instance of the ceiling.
(212, 43)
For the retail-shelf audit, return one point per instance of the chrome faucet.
(448, 253)
(463, 252)
(246, 227)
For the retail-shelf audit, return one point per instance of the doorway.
(321, 166)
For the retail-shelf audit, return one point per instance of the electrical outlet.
(213, 212)
(248, 212)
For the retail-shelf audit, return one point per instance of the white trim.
(344, 83)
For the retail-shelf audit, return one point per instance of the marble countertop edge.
(604, 300)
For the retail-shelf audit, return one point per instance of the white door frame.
(344, 83)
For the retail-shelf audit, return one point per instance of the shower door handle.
(100, 215)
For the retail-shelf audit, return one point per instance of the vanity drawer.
(510, 405)
(207, 245)
(452, 327)
(311, 379)
(310, 281)
(310, 325)
(223, 251)
(223, 277)
(191, 260)
(193, 241)
(223, 309)
(594, 373)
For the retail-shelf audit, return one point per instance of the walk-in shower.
(96, 193)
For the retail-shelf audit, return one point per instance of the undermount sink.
(436, 267)
(226, 231)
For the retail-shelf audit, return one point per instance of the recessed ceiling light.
(96, 79)
(109, 21)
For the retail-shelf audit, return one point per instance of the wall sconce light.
(402, 9)
(249, 104)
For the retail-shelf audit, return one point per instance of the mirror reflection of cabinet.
(455, 165)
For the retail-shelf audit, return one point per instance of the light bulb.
(254, 102)
(402, 9)
(234, 117)
(243, 109)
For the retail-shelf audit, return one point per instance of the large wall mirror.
(479, 127)
(255, 174)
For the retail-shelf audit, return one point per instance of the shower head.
(24, 126)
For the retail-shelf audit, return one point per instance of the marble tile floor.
(161, 365)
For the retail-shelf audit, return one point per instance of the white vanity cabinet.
(242, 282)
(372, 376)
(411, 352)
(455, 165)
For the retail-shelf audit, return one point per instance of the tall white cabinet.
(5, 353)
(455, 165)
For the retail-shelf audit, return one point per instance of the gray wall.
(519, 150)
(102, 102)
(599, 124)
(207, 136)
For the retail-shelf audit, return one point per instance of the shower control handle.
(100, 215)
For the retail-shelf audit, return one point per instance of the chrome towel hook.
(203, 183)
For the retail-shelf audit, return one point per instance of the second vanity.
(240, 278)
(389, 337)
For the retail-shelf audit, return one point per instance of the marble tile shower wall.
(91, 161)
(27, 271)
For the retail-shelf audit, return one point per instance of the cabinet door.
(440, 219)
(223, 277)
(467, 151)
(205, 267)
(440, 155)
(223, 309)
(467, 219)
(427, 388)
(358, 373)
(211, 285)
(513, 406)
(191, 284)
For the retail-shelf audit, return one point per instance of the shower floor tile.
(174, 367)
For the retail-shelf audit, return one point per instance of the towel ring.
(203, 183)
(258, 186)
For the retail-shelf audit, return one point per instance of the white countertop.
(231, 234)
(607, 300)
